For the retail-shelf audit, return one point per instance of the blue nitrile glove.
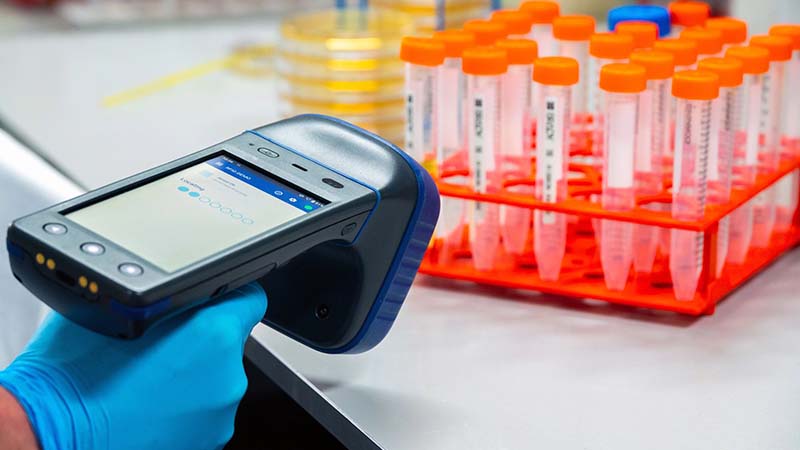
(176, 387)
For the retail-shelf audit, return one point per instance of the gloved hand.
(176, 387)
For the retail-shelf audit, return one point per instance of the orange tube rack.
(581, 274)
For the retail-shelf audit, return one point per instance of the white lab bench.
(465, 367)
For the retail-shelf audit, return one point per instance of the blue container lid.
(650, 13)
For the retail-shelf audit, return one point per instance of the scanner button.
(55, 228)
(131, 269)
(349, 228)
(268, 152)
(92, 248)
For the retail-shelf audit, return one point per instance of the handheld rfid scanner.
(331, 220)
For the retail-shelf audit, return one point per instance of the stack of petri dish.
(344, 63)
(431, 15)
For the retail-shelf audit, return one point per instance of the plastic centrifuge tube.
(734, 31)
(685, 54)
(484, 68)
(687, 14)
(695, 90)
(518, 23)
(451, 148)
(573, 34)
(422, 57)
(788, 188)
(644, 33)
(755, 63)
(725, 111)
(604, 48)
(542, 13)
(486, 32)
(652, 140)
(555, 77)
(780, 51)
(622, 83)
(515, 137)
(709, 41)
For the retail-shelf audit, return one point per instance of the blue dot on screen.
(194, 194)
(183, 188)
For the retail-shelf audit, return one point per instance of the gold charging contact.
(93, 287)
(40, 258)
(83, 281)
(50, 264)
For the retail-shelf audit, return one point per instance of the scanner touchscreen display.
(194, 213)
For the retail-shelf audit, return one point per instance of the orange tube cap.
(455, 41)
(689, 14)
(729, 70)
(541, 11)
(485, 60)
(422, 51)
(755, 60)
(576, 27)
(684, 52)
(644, 33)
(779, 47)
(516, 21)
(556, 70)
(695, 85)
(709, 42)
(658, 65)
(519, 51)
(610, 45)
(734, 31)
(623, 78)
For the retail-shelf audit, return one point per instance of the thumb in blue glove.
(176, 387)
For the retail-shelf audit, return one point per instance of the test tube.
(724, 125)
(791, 104)
(518, 23)
(486, 32)
(605, 48)
(484, 68)
(644, 33)
(755, 63)
(652, 140)
(542, 13)
(689, 14)
(573, 34)
(556, 77)
(685, 54)
(695, 90)
(789, 186)
(780, 51)
(422, 57)
(622, 83)
(734, 31)
(709, 41)
(515, 137)
(451, 149)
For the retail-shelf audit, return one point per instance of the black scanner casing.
(338, 294)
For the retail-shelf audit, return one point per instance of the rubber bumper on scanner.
(344, 299)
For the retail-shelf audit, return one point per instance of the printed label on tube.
(753, 124)
(622, 133)
(714, 141)
(552, 154)
(644, 133)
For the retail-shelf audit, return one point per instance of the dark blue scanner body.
(335, 280)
